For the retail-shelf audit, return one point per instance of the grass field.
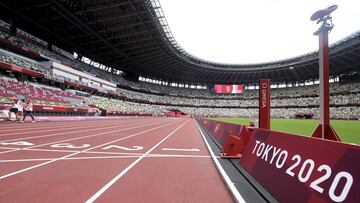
(348, 131)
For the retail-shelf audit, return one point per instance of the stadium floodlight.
(323, 16)
(324, 129)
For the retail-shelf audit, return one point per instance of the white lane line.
(76, 138)
(25, 160)
(101, 157)
(71, 132)
(117, 177)
(48, 125)
(73, 151)
(159, 155)
(177, 156)
(41, 150)
(61, 133)
(115, 153)
(73, 154)
(51, 150)
(9, 148)
(104, 157)
(59, 123)
(179, 149)
(226, 178)
(66, 127)
(67, 159)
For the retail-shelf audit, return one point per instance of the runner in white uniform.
(15, 109)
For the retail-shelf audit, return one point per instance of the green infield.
(348, 131)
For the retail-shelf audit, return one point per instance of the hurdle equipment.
(235, 143)
(232, 138)
(3, 115)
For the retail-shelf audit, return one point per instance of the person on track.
(28, 108)
(15, 109)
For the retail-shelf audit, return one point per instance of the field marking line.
(101, 157)
(9, 148)
(69, 155)
(76, 138)
(177, 156)
(55, 124)
(41, 150)
(79, 131)
(62, 133)
(110, 153)
(46, 126)
(41, 131)
(155, 155)
(167, 156)
(181, 149)
(55, 128)
(51, 150)
(67, 159)
(114, 153)
(12, 125)
(25, 160)
(12, 150)
(127, 169)
(231, 186)
(71, 151)
(104, 157)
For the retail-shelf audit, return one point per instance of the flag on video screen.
(228, 89)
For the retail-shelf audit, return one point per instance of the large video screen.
(228, 89)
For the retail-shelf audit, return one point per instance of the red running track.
(123, 160)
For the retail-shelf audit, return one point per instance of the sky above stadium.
(256, 31)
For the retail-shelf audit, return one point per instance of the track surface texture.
(123, 160)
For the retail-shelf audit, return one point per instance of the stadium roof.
(133, 36)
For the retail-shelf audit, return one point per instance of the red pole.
(324, 81)
(324, 129)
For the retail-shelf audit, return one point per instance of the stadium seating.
(144, 97)
(39, 93)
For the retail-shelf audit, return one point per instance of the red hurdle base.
(329, 133)
(232, 147)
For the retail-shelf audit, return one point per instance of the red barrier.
(219, 130)
(301, 169)
(232, 137)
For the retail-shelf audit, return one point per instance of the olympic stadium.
(122, 113)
